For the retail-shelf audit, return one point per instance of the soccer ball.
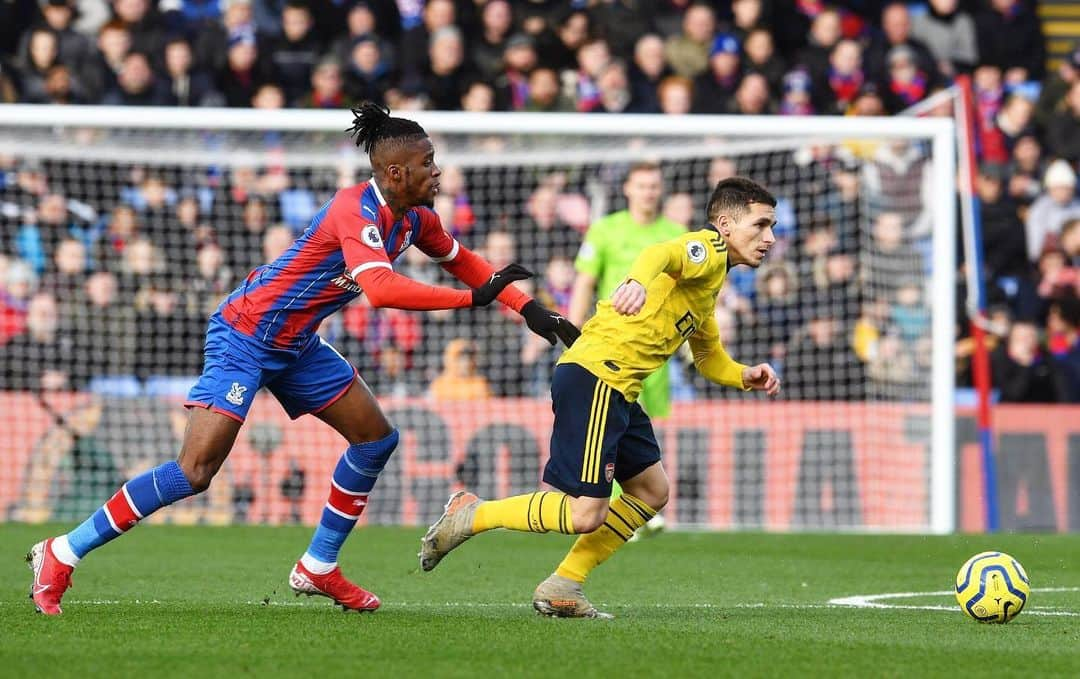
(992, 587)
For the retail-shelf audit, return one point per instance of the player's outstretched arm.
(469, 268)
(386, 288)
(475, 271)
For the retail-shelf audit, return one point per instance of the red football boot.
(332, 585)
(51, 578)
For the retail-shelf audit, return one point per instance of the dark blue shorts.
(597, 437)
(303, 381)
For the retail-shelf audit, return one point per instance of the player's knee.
(198, 474)
(370, 458)
(659, 500)
(371, 429)
(651, 487)
(382, 429)
(656, 498)
(657, 494)
(588, 513)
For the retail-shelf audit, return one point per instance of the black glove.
(486, 293)
(549, 324)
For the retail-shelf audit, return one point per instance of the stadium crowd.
(107, 284)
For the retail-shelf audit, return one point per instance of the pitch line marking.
(864, 601)
(873, 601)
(321, 602)
(463, 604)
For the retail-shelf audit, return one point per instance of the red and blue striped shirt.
(347, 249)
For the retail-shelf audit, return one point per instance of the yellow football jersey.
(682, 278)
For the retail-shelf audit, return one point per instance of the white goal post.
(736, 462)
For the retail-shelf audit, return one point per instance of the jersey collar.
(375, 188)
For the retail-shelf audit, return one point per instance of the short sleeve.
(433, 240)
(590, 256)
(359, 235)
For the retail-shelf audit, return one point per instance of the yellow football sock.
(537, 512)
(625, 515)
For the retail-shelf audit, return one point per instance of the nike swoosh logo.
(38, 589)
(368, 208)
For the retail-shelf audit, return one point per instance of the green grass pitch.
(207, 602)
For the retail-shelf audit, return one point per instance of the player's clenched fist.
(761, 377)
(628, 298)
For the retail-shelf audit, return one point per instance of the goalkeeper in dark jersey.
(600, 433)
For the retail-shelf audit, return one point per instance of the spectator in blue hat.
(714, 89)
(797, 99)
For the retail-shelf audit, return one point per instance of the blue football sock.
(353, 479)
(138, 498)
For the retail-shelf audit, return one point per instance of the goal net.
(124, 228)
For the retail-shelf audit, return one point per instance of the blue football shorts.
(235, 367)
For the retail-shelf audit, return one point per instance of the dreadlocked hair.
(373, 124)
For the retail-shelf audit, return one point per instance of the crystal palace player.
(600, 433)
(264, 335)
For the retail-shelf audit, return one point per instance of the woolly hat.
(1059, 173)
